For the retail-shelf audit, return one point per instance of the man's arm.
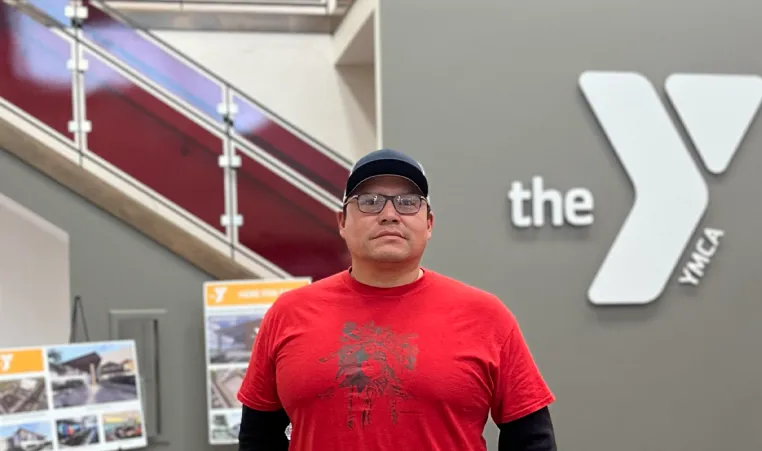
(263, 419)
(533, 432)
(263, 431)
(521, 397)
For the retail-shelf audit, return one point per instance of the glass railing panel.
(152, 61)
(148, 140)
(285, 225)
(204, 91)
(33, 73)
(252, 123)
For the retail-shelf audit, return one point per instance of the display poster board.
(233, 312)
(83, 395)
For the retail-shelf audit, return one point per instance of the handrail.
(341, 159)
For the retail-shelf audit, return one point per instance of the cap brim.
(360, 184)
(390, 167)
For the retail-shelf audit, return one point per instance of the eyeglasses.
(405, 204)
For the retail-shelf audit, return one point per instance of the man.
(389, 356)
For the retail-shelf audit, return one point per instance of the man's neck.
(386, 277)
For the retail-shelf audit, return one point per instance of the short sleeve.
(258, 390)
(519, 387)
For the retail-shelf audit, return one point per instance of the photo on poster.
(92, 373)
(33, 435)
(77, 431)
(224, 427)
(22, 395)
(119, 426)
(224, 385)
(230, 338)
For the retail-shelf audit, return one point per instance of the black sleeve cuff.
(533, 432)
(263, 431)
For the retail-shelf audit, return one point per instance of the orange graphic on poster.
(237, 293)
(16, 361)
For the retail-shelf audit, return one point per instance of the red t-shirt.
(417, 367)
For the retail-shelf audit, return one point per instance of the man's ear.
(341, 219)
(430, 223)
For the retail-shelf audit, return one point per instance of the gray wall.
(486, 93)
(114, 267)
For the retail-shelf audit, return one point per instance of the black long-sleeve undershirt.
(265, 431)
(533, 432)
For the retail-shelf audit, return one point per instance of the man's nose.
(388, 213)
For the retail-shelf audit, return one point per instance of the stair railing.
(190, 80)
(85, 54)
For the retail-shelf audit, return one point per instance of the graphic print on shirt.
(373, 362)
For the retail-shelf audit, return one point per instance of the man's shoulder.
(469, 305)
(315, 290)
(475, 298)
(459, 287)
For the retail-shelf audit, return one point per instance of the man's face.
(388, 236)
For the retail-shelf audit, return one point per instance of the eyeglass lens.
(405, 204)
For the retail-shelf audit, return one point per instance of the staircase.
(127, 108)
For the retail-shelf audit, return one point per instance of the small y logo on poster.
(219, 294)
(5, 362)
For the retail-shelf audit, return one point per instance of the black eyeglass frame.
(386, 200)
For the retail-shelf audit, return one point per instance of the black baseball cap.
(387, 162)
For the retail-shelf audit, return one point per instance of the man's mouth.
(389, 233)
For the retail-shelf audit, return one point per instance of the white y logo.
(670, 194)
(5, 362)
(219, 293)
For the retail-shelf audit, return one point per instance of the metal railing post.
(229, 161)
(79, 126)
